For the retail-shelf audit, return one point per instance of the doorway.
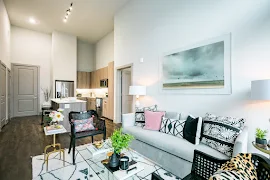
(124, 100)
(25, 90)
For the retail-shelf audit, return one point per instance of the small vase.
(114, 160)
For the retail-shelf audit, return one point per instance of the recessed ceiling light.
(65, 20)
(32, 20)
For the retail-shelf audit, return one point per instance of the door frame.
(8, 89)
(12, 86)
(3, 64)
(118, 102)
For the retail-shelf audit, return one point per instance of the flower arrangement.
(46, 93)
(57, 116)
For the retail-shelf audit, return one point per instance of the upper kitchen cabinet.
(98, 75)
(104, 73)
(83, 80)
(93, 81)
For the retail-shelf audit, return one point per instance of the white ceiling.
(90, 20)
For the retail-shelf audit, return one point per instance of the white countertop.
(67, 100)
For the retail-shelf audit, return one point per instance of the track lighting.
(70, 8)
(68, 12)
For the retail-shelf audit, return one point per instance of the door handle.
(35, 97)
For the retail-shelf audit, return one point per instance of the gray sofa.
(173, 153)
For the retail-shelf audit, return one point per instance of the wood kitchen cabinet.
(96, 76)
(91, 103)
(94, 81)
(111, 90)
(83, 80)
(103, 73)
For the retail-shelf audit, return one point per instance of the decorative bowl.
(98, 144)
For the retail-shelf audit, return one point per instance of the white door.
(25, 90)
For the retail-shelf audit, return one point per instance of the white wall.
(85, 56)
(64, 58)
(4, 35)
(33, 48)
(150, 28)
(105, 50)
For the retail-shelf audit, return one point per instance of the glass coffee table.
(88, 166)
(144, 166)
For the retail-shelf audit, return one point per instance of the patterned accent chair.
(85, 124)
(204, 166)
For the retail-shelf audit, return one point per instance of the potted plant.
(260, 137)
(119, 142)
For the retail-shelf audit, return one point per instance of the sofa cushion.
(171, 144)
(139, 114)
(221, 132)
(153, 120)
(173, 127)
(192, 129)
(84, 125)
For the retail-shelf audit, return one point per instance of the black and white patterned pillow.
(139, 114)
(172, 126)
(220, 132)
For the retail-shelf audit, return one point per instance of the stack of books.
(54, 128)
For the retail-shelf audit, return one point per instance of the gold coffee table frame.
(54, 145)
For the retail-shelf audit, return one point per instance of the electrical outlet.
(67, 106)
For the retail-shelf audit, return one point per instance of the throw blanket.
(239, 167)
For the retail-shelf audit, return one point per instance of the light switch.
(67, 106)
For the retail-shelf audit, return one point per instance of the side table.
(54, 145)
(265, 150)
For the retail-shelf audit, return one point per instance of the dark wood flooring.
(22, 138)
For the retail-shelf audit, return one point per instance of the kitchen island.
(68, 104)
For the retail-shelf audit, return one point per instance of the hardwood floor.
(22, 138)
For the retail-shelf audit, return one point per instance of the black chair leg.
(104, 135)
(92, 139)
(73, 155)
(70, 144)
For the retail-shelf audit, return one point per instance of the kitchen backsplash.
(92, 92)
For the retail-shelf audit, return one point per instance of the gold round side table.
(265, 150)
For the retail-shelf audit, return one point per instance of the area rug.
(87, 167)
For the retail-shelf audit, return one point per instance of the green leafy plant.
(260, 134)
(120, 140)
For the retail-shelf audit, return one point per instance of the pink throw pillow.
(153, 120)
